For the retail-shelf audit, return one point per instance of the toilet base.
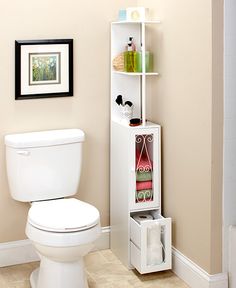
(34, 278)
(59, 275)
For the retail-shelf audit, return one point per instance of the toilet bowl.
(44, 168)
(62, 232)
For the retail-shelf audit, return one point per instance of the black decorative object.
(43, 68)
(129, 103)
(119, 100)
(135, 122)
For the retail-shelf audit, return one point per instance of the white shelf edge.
(137, 22)
(148, 125)
(131, 210)
(136, 73)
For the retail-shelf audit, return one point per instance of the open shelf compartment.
(150, 243)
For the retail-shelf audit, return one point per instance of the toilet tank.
(44, 165)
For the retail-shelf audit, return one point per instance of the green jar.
(138, 61)
(149, 61)
(133, 61)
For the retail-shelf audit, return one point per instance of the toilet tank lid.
(44, 138)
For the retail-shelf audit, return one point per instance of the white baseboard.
(22, 251)
(103, 241)
(231, 234)
(194, 275)
(19, 252)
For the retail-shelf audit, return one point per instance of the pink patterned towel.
(143, 185)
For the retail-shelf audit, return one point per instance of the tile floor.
(103, 269)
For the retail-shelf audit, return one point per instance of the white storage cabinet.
(130, 146)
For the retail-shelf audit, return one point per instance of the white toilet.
(42, 168)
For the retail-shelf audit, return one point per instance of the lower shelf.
(150, 244)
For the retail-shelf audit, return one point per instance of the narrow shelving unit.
(131, 147)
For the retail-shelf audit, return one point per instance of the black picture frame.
(33, 81)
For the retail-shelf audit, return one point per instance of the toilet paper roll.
(154, 234)
(154, 245)
(142, 217)
(154, 255)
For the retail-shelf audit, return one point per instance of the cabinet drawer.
(147, 254)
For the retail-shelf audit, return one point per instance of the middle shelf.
(136, 73)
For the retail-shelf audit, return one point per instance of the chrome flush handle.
(23, 152)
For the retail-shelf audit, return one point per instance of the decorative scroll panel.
(144, 168)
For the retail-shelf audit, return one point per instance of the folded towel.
(144, 195)
(143, 176)
(143, 185)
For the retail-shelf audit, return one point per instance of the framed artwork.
(43, 68)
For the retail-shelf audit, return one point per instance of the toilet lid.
(63, 215)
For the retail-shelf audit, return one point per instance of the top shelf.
(137, 22)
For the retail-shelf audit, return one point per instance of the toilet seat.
(63, 215)
(55, 239)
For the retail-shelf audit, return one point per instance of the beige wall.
(187, 100)
(182, 102)
(88, 23)
(217, 134)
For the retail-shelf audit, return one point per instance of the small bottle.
(129, 58)
(131, 40)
